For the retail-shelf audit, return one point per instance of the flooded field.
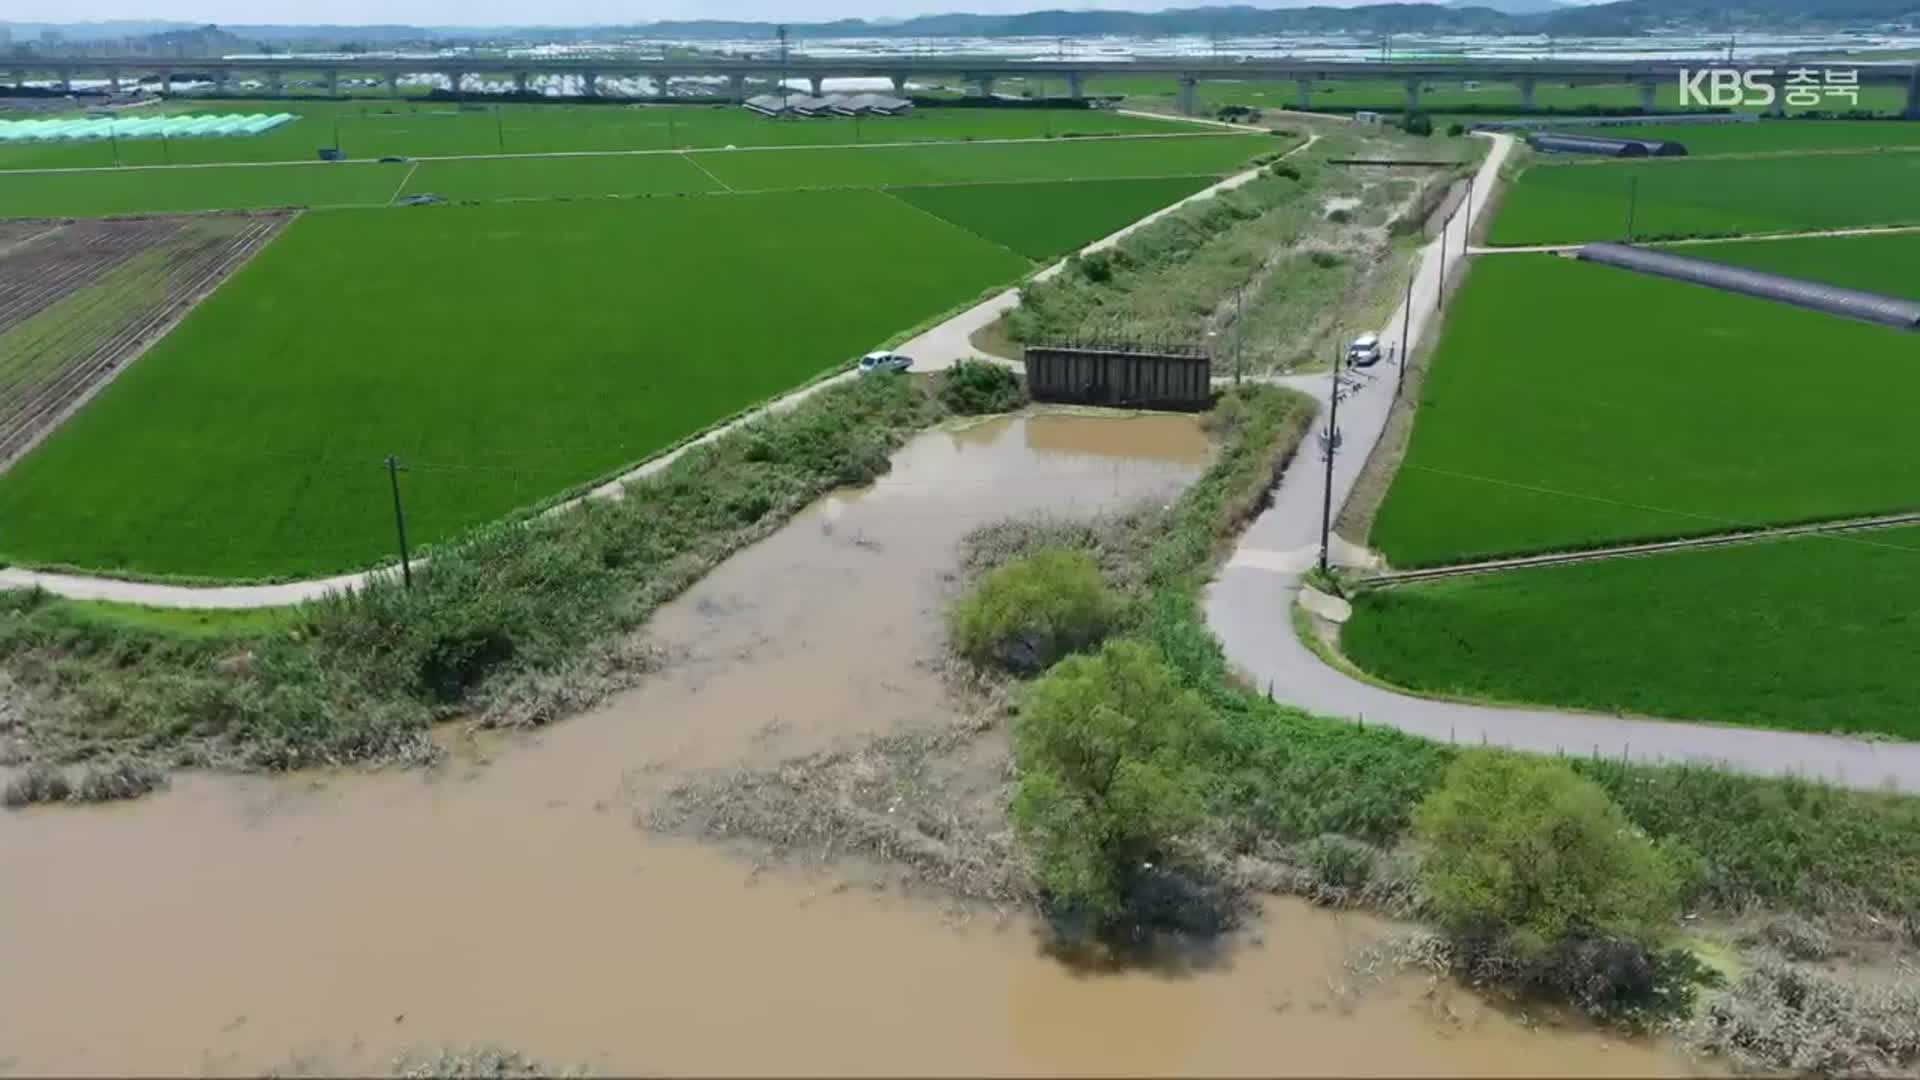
(328, 922)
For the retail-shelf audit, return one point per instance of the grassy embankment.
(1268, 270)
(516, 624)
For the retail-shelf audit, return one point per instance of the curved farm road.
(1250, 606)
(934, 350)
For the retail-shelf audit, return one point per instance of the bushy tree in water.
(1541, 879)
(1109, 749)
(1029, 613)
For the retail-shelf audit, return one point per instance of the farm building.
(1832, 299)
(829, 105)
(1561, 143)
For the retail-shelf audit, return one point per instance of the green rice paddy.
(1572, 405)
(1774, 136)
(1728, 196)
(505, 352)
(371, 129)
(1042, 220)
(164, 190)
(1884, 262)
(1812, 634)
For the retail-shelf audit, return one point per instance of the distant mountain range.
(1620, 18)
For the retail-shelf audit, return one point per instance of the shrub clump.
(1782, 1018)
(118, 780)
(1032, 611)
(41, 783)
(1542, 881)
(972, 387)
(1110, 750)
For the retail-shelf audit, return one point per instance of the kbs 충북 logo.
(1756, 87)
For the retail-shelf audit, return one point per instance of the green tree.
(1029, 613)
(1109, 748)
(1526, 851)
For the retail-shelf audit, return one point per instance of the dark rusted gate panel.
(1119, 377)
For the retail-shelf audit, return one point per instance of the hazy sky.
(545, 12)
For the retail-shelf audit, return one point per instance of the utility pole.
(499, 130)
(1440, 294)
(1239, 329)
(1333, 444)
(399, 520)
(1466, 237)
(781, 31)
(1633, 196)
(1406, 331)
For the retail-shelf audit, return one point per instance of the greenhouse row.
(146, 127)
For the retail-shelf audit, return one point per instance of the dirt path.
(1536, 249)
(1629, 551)
(1250, 607)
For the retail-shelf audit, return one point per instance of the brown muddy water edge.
(234, 925)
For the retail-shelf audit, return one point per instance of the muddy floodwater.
(330, 921)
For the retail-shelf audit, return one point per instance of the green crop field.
(1571, 405)
(1676, 197)
(1814, 634)
(1884, 262)
(505, 352)
(369, 129)
(1764, 136)
(164, 190)
(1041, 220)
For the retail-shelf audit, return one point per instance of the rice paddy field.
(171, 190)
(1777, 136)
(1811, 634)
(1437, 95)
(1709, 196)
(1571, 405)
(371, 129)
(1880, 262)
(508, 351)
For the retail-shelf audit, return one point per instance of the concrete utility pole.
(399, 520)
(1333, 446)
(781, 32)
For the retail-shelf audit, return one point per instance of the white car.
(1365, 351)
(884, 361)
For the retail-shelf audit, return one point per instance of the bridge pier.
(983, 86)
(1188, 96)
(393, 84)
(1649, 95)
(166, 83)
(1413, 96)
(899, 85)
(276, 83)
(1076, 85)
(454, 81)
(817, 83)
(1912, 111)
(1303, 97)
(219, 82)
(520, 79)
(1528, 86)
(590, 83)
(1779, 106)
(113, 82)
(333, 82)
(737, 88)
(661, 84)
(66, 80)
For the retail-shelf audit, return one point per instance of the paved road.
(936, 349)
(1250, 604)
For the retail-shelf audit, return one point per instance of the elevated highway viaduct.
(976, 73)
